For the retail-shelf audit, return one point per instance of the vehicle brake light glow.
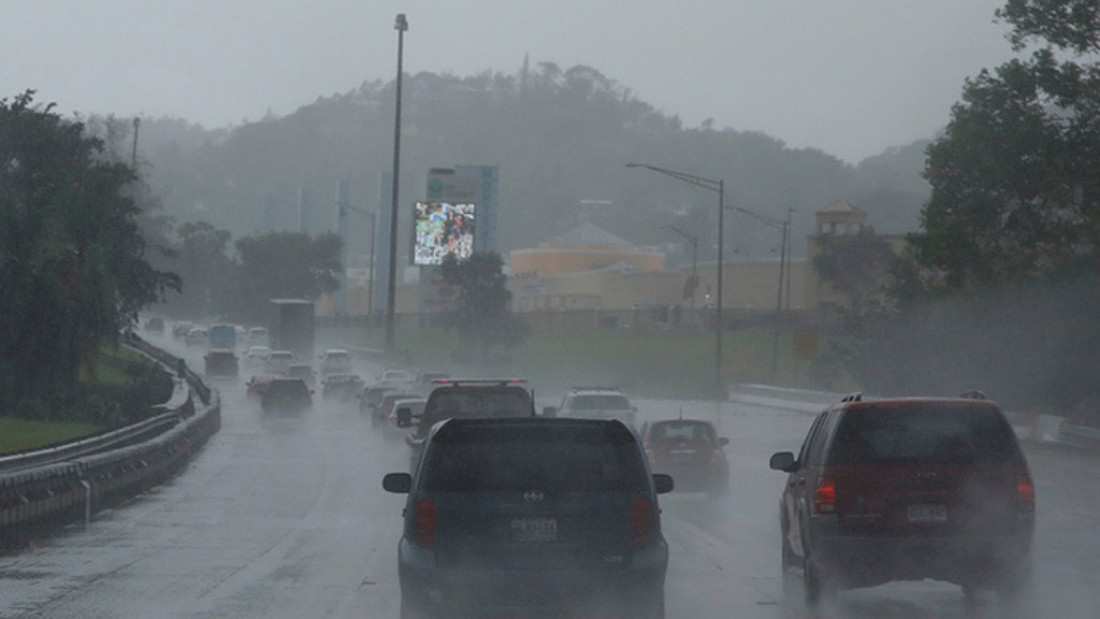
(642, 531)
(425, 523)
(1025, 493)
(825, 496)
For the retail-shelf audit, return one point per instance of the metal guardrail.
(69, 483)
(1028, 426)
(115, 439)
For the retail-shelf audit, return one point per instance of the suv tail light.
(425, 523)
(825, 496)
(1025, 494)
(642, 529)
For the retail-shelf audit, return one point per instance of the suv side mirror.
(663, 483)
(723, 441)
(404, 417)
(549, 411)
(399, 483)
(782, 461)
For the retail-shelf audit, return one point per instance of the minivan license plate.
(534, 529)
(927, 513)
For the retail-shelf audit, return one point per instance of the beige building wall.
(576, 258)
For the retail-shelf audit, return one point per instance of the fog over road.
(286, 517)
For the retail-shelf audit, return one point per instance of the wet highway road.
(285, 517)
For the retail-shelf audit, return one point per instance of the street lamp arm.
(764, 219)
(691, 237)
(698, 181)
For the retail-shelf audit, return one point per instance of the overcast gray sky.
(850, 77)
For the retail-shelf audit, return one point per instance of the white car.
(278, 362)
(335, 361)
(395, 377)
(255, 356)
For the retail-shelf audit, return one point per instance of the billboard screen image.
(442, 228)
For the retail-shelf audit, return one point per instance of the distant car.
(278, 361)
(257, 336)
(596, 403)
(287, 395)
(456, 398)
(371, 397)
(691, 451)
(341, 387)
(181, 329)
(394, 377)
(413, 407)
(907, 489)
(155, 325)
(335, 361)
(221, 364)
(256, 385)
(531, 517)
(255, 356)
(381, 413)
(197, 336)
(303, 371)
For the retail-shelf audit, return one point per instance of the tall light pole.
(400, 25)
(719, 187)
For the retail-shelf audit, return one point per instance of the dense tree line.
(73, 260)
(235, 280)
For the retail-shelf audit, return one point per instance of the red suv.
(908, 489)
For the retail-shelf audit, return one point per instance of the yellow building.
(586, 248)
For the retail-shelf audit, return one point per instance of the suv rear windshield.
(287, 389)
(480, 402)
(682, 431)
(553, 459)
(929, 433)
(599, 402)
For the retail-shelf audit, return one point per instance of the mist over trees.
(561, 137)
(1002, 289)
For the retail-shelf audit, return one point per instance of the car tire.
(817, 586)
(409, 610)
(649, 605)
(1015, 583)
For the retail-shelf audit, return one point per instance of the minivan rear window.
(930, 433)
(599, 402)
(486, 459)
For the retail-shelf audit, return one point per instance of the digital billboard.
(441, 228)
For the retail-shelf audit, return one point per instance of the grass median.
(653, 363)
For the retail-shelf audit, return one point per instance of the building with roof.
(585, 248)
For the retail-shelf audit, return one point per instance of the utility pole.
(133, 150)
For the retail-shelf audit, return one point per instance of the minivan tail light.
(825, 496)
(1025, 493)
(642, 528)
(425, 523)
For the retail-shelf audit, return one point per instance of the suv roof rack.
(974, 394)
(856, 396)
(600, 388)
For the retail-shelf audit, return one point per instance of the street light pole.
(719, 187)
(400, 25)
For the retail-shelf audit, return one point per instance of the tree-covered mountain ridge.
(561, 139)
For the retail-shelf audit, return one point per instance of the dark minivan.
(908, 489)
(531, 516)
